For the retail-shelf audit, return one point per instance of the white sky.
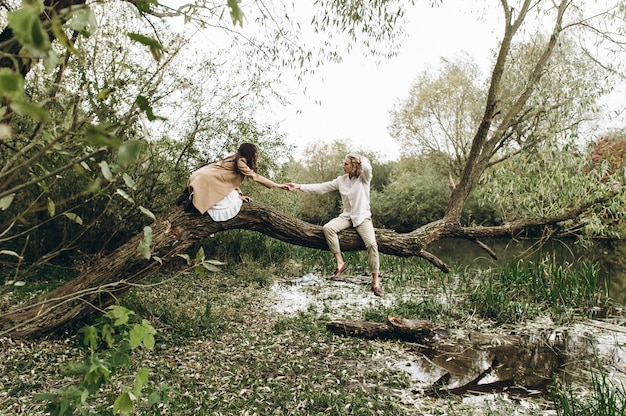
(351, 100)
(356, 95)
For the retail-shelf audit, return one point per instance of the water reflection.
(610, 255)
(525, 364)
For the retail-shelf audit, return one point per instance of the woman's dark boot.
(184, 197)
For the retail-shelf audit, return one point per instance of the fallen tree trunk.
(419, 331)
(105, 281)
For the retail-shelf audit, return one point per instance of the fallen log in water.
(477, 363)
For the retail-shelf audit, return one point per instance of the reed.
(523, 289)
(607, 397)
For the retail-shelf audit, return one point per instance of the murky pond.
(610, 255)
(518, 363)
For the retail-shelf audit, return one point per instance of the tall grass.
(607, 397)
(523, 289)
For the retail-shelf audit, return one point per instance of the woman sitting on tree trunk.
(214, 188)
(354, 188)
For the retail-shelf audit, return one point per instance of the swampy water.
(495, 363)
(610, 255)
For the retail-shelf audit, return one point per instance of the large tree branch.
(101, 284)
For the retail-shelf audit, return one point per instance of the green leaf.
(129, 181)
(50, 61)
(106, 172)
(90, 337)
(142, 334)
(186, 257)
(144, 244)
(147, 212)
(10, 253)
(135, 335)
(61, 36)
(28, 30)
(200, 255)
(144, 40)
(33, 110)
(199, 270)
(130, 151)
(154, 398)
(123, 404)
(78, 220)
(148, 338)
(95, 186)
(210, 267)
(156, 49)
(235, 12)
(104, 93)
(51, 207)
(39, 37)
(118, 313)
(148, 341)
(108, 335)
(141, 379)
(84, 21)
(144, 105)
(83, 398)
(5, 202)
(97, 136)
(11, 84)
(144, 5)
(125, 195)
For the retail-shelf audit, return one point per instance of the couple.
(214, 189)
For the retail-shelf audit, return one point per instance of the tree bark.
(9, 46)
(411, 330)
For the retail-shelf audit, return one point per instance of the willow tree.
(36, 26)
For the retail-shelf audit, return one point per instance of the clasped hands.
(290, 186)
(286, 186)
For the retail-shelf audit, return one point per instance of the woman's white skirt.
(226, 208)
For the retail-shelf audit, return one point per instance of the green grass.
(607, 397)
(522, 290)
(289, 365)
(222, 349)
(35, 282)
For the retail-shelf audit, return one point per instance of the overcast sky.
(356, 95)
(351, 100)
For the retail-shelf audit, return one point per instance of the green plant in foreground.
(607, 398)
(109, 343)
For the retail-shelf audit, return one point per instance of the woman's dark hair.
(249, 152)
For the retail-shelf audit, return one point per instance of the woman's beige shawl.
(213, 182)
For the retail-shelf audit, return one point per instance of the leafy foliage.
(77, 167)
(418, 193)
(109, 344)
(441, 112)
(520, 291)
(550, 181)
